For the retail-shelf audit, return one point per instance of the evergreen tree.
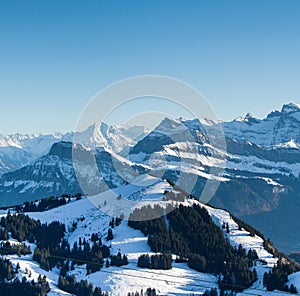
(110, 235)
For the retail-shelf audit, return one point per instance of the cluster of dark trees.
(52, 250)
(149, 292)
(47, 237)
(276, 278)
(7, 272)
(24, 287)
(116, 221)
(118, 260)
(157, 261)
(3, 234)
(214, 292)
(7, 248)
(211, 292)
(194, 237)
(81, 253)
(43, 205)
(19, 288)
(82, 288)
(23, 227)
(155, 229)
(20, 226)
(94, 256)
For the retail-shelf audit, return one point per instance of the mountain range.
(255, 171)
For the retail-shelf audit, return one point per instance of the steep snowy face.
(54, 174)
(116, 137)
(169, 132)
(278, 129)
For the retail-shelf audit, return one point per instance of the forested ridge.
(191, 234)
(187, 232)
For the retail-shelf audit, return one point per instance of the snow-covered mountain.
(19, 150)
(115, 137)
(179, 280)
(54, 174)
(259, 174)
(257, 167)
(279, 129)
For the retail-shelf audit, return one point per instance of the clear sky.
(244, 56)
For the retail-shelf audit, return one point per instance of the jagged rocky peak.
(65, 150)
(290, 108)
(93, 133)
(62, 150)
(168, 124)
(249, 118)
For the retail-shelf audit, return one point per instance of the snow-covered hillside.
(180, 280)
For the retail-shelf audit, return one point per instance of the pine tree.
(110, 235)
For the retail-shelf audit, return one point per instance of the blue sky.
(244, 56)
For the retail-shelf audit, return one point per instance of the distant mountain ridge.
(280, 129)
(17, 151)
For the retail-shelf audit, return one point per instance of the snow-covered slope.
(180, 280)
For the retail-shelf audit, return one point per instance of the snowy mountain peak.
(290, 108)
(192, 124)
(167, 124)
(94, 135)
(277, 128)
(116, 137)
